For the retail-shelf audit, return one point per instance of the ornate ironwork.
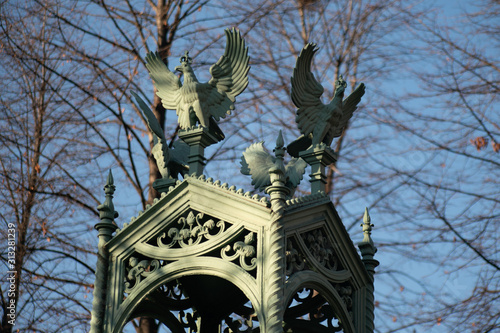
(138, 270)
(310, 312)
(189, 320)
(321, 249)
(242, 320)
(240, 325)
(345, 291)
(295, 261)
(243, 250)
(193, 231)
(171, 297)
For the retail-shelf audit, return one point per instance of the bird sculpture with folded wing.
(318, 122)
(170, 162)
(257, 163)
(203, 103)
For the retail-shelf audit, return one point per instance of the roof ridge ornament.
(318, 123)
(265, 168)
(199, 106)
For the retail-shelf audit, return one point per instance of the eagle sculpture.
(318, 122)
(203, 103)
(257, 162)
(170, 162)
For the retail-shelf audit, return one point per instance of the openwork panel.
(314, 251)
(242, 320)
(190, 230)
(193, 235)
(309, 311)
(139, 268)
(176, 311)
(196, 233)
(309, 249)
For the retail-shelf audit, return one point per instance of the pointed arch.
(311, 279)
(188, 267)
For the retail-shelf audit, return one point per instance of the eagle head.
(185, 67)
(340, 86)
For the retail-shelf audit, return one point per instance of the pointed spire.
(107, 209)
(278, 191)
(280, 143)
(367, 228)
(366, 246)
(279, 152)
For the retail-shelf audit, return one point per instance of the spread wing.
(294, 171)
(166, 82)
(256, 162)
(349, 105)
(306, 91)
(229, 75)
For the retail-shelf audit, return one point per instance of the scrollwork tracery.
(194, 230)
(243, 250)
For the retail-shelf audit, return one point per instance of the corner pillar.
(273, 278)
(368, 251)
(105, 227)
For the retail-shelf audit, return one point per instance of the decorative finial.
(279, 152)
(277, 189)
(280, 143)
(107, 211)
(109, 183)
(366, 246)
(106, 226)
(368, 250)
(367, 227)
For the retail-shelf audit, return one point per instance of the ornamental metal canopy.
(207, 257)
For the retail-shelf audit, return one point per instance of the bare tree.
(407, 159)
(44, 195)
(427, 166)
(356, 39)
(447, 164)
(71, 70)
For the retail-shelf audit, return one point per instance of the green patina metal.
(318, 122)
(203, 103)
(207, 257)
(256, 162)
